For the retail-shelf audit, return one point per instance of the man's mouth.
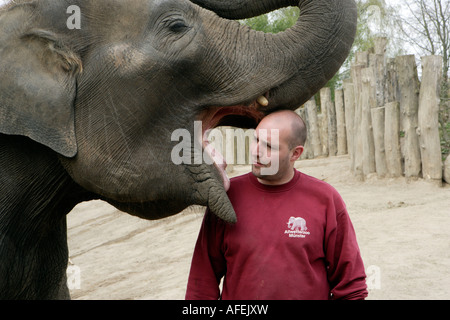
(258, 164)
(241, 116)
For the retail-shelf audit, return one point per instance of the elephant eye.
(178, 26)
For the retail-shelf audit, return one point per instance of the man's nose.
(255, 149)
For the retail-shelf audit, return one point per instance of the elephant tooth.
(262, 101)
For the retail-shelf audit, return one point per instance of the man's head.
(279, 140)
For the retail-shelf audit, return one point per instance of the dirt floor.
(402, 229)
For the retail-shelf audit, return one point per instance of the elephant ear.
(37, 90)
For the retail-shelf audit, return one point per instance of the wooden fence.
(383, 117)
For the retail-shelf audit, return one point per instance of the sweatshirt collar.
(275, 188)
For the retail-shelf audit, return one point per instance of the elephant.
(87, 112)
(297, 223)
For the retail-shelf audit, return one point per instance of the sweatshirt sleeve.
(346, 274)
(208, 263)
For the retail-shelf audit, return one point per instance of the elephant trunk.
(242, 9)
(288, 67)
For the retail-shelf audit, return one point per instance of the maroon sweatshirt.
(293, 241)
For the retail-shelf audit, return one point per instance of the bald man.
(293, 238)
(279, 140)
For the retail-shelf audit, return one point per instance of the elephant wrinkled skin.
(88, 113)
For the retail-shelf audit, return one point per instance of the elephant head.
(108, 96)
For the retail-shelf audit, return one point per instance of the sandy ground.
(402, 229)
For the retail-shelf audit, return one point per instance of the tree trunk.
(408, 87)
(340, 122)
(391, 139)
(378, 116)
(429, 99)
(314, 135)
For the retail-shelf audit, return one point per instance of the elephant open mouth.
(240, 116)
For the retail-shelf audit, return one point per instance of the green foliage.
(274, 22)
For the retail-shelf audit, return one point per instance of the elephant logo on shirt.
(297, 224)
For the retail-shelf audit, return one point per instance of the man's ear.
(37, 90)
(297, 152)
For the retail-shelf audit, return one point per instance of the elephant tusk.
(263, 101)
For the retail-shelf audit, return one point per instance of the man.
(293, 239)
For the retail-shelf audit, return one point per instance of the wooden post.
(221, 145)
(307, 152)
(357, 142)
(378, 117)
(325, 100)
(368, 101)
(340, 122)
(391, 139)
(313, 134)
(447, 170)
(229, 145)
(378, 62)
(239, 146)
(323, 125)
(408, 89)
(323, 133)
(349, 105)
(428, 118)
(391, 85)
(249, 136)
(380, 45)
(362, 57)
(332, 127)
